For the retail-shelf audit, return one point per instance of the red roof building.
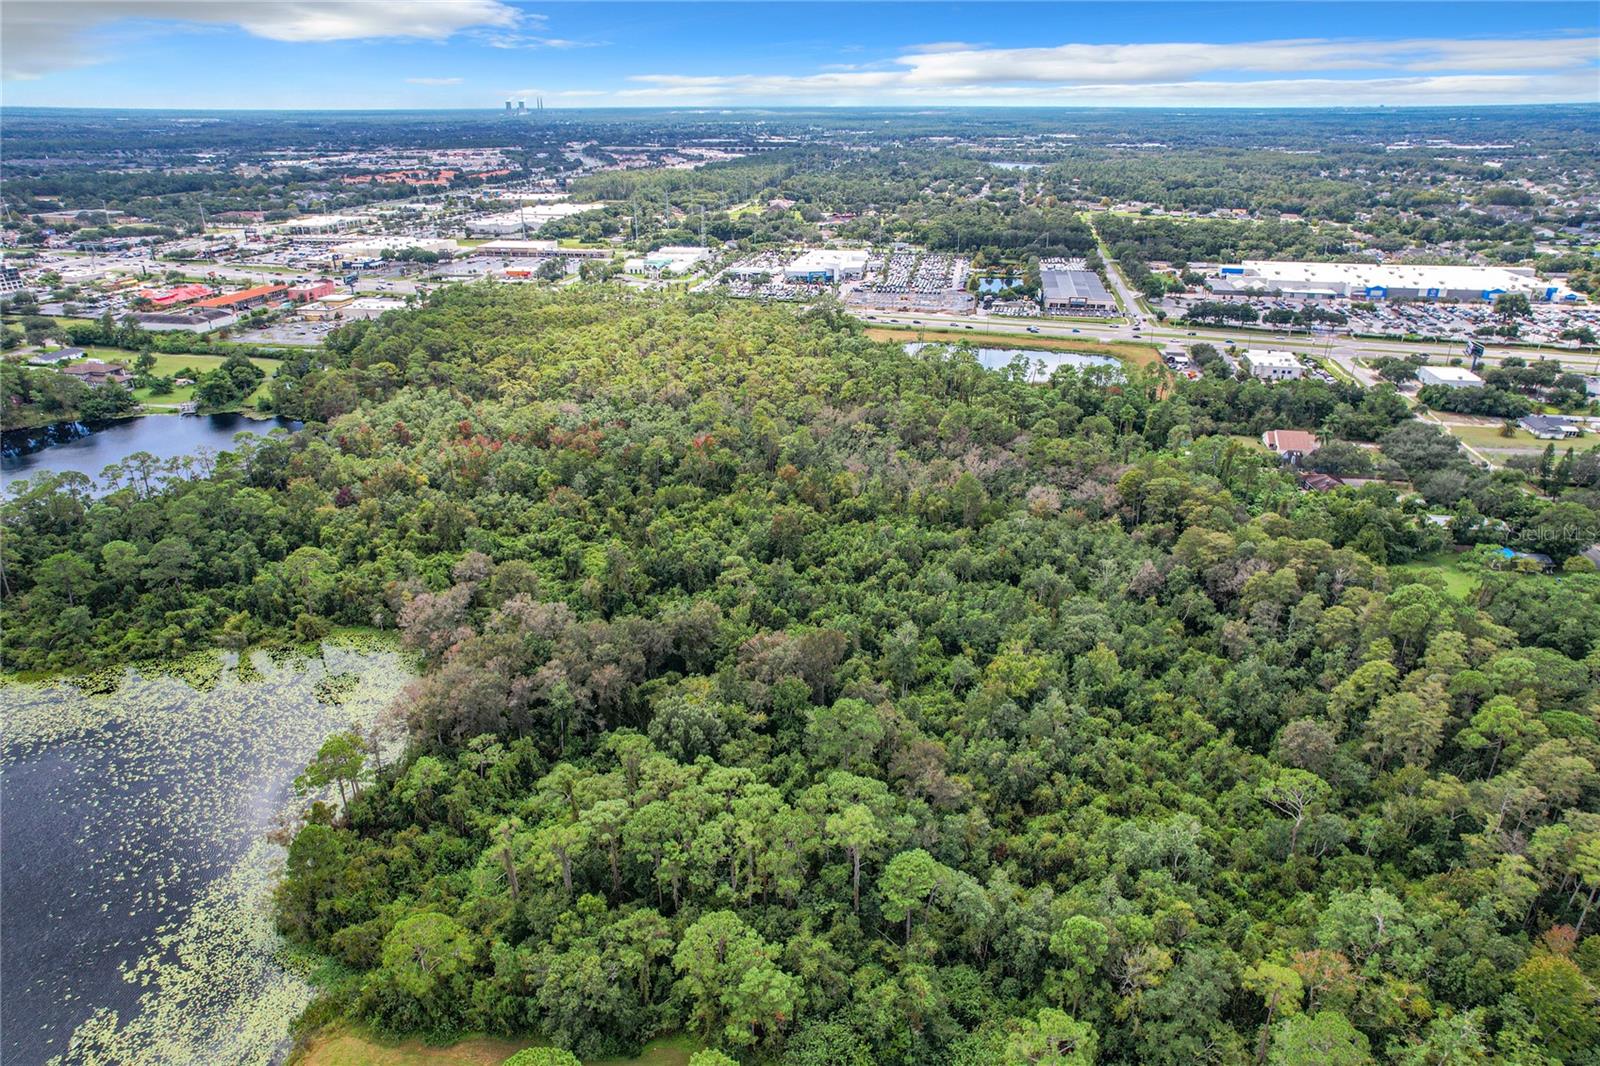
(244, 297)
(316, 290)
(178, 294)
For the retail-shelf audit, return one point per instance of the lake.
(137, 925)
(1043, 362)
(997, 284)
(89, 448)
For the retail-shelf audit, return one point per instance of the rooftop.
(1073, 285)
(1453, 373)
(230, 298)
(1271, 357)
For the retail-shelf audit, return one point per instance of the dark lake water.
(134, 856)
(89, 448)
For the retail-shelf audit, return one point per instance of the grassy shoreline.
(347, 1044)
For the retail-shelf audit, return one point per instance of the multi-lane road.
(1340, 348)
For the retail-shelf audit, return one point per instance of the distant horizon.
(499, 111)
(350, 55)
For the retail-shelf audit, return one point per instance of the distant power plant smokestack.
(522, 107)
(508, 106)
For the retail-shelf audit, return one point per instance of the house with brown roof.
(1314, 482)
(93, 372)
(1290, 444)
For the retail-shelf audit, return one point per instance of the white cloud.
(1133, 63)
(528, 40)
(433, 81)
(1441, 71)
(42, 36)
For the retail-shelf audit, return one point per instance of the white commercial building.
(1075, 291)
(1453, 377)
(321, 224)
(369, 307)
(1272, 365)
(524, 220)
(375, 247)
(827, 265)
(1378, 281)
(671, 259)
(188, 320)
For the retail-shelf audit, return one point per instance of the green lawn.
(1447, 565)
(177, 365)
(1339, 373)
(1521, 440)
(356, 1047)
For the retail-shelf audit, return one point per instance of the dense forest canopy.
(845, 706)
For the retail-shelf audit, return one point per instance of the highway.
(1342, 349)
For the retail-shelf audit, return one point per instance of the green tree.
(542, 1056)
(856, 830)
(1051, 1038)
(341, 761)
(1325, 1038)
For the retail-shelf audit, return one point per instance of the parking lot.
(1439, 321)
(308, 334)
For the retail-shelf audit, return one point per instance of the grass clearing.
(180, 366)
(357, 1047)
(1489, 438)
(1134, 353)
(1253, 443)
(1447, 565)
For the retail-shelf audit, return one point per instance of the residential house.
(94, 373)
(1290, 444)
(1549, 427)
(60, 355)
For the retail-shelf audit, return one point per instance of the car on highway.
(1033, 329)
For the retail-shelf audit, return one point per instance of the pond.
(1016, 166)
(1042, 362)
(137, 926)
(90, 447)
(997, 284)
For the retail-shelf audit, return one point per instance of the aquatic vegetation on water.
(138, 925)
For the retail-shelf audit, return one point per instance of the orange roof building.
(243, 298)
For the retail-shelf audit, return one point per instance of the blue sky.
(476, 53)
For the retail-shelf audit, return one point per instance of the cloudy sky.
(476, 53)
